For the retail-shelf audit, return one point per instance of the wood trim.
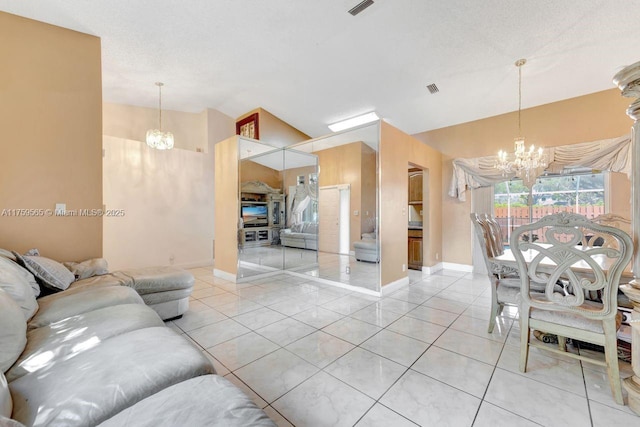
(253, 118)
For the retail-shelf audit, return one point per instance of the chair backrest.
(564, 259)
(611, 220)
(483, 235)
(496, 234)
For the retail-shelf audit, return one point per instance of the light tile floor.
(315, 355)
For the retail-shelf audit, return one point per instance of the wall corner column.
(628, 80)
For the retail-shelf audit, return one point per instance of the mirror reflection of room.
(311, 209)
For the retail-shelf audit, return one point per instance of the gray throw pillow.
(88, 268)
(51, 274)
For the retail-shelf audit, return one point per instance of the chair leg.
(611, 356)
(524, 339)
(495, 309)
(562, 343)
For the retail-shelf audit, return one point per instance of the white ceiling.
(311, 63)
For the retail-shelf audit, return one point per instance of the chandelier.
(523, 163)
(155, 137)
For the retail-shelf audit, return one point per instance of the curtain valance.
(606, 155)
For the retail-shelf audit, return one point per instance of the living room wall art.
(248, 127)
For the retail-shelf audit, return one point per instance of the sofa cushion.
(7, 254)
(100, 382)
(51, 274)
(56, 307)
(6, 404)
(8, 422)
(89, 268)
(310, 228)
(209, 400)
(71, 336)
(16, 281)
(156, 279)
(13, 331)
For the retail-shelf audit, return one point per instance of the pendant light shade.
(156, 138)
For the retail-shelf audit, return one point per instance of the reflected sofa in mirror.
(278, 211)
(343, 204)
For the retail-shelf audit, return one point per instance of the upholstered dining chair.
(505, 285)
(560, 257)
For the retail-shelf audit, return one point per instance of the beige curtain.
(606, 155)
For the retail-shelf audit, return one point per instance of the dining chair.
(559, 257)
(611, 220)
(505, 285)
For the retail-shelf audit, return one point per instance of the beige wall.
(274, 131)
(226, 205)
(369, 174)
(397, 150)
(343, 165)
(51, 124)
(160, 189)
(168, 201)
(252, 171)
(192, 131)
(587, 118)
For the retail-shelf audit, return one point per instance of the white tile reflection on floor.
(311, 355)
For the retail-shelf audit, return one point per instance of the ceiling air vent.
(360, 7)
(433, 88)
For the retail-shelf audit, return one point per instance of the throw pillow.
(17, 282)
(50, 273)
(88, 268)
(13, 333)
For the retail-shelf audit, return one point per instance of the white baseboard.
(197, 264)
(332, 283)
(458, 267)
(258, 276)
(433, 269)
(395, 285)
(224, 275)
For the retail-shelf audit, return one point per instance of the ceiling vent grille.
(433, 88)
(360, 7)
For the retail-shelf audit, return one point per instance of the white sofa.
(304, 236)
(99, 356)
(367, 249)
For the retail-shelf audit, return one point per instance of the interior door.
(329, 220)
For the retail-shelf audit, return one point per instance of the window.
(582, 193)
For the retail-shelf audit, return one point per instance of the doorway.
(415, 215)
(333, 214)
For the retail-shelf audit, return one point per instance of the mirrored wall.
(312, 208)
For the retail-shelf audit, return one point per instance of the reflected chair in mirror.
(505, 285)
(558, 257)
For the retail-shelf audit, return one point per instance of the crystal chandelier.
(155, 137)
(523, 163)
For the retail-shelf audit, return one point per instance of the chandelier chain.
(519, 99)
(159, 84)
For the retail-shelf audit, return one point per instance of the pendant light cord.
(519, 63)
(160, 104)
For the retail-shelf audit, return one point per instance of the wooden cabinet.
(415, 250)
(415, 187)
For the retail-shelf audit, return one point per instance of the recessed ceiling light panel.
(354, 121)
